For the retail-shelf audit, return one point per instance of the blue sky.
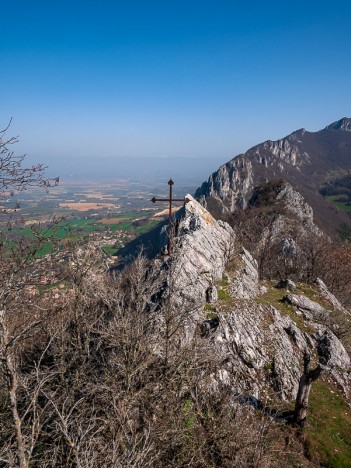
(170, 79)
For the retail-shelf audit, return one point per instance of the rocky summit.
(200, 247)
(309, 161)
(260, 329)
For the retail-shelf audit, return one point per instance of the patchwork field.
(85, 206)
(110, 213)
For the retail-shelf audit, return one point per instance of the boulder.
(310, 309)
(286, 284)
(329, 296)
(331, 351)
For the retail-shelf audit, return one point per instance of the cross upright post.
(170, 218)
(170, 183)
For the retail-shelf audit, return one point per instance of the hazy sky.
(170, 78)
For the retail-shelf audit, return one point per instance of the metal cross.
(170, 218)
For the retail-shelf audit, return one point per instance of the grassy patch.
(313, 293)
(190, 420)
(109, 250)
(328, 432)
(340, 201)
(212, 316)
(224, 281)
(223, 295)
(274, 298)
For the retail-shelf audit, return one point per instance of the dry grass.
(87, 206)
(113, 220)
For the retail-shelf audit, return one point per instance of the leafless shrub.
(98, 385)
(13, 176)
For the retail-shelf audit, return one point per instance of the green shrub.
(212, 316)
(223, 295)
(224, 281)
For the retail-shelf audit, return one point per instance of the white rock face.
(232, 188)
(287, 151)
(245, 283)
(295, 204)
(232, 184)
(200, 251)
(264, 350)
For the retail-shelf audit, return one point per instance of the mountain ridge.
(342, 124)
(306, 160)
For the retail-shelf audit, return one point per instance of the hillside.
(182, 360)
(309, 161)
(232, 349)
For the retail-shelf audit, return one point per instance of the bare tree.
(13, 176)
(305, 383)
(325, 362)
(18, 259)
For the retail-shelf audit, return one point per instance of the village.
(49, 276)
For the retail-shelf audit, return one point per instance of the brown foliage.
(107, 380)
(304, 257)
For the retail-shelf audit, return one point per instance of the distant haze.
(191, 171)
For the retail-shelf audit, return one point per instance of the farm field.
(85, 206)
(111, 213)
(110, 234)
(340, 201)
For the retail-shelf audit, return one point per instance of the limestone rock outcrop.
(261, 347)
(295, 204)
(232, 184)
(330, 297)
(200, 250)
(264, 350)
(244, 283)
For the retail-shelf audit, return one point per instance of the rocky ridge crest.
(259, 331)
(200, 249)
(342, 124)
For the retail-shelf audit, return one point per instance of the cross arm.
(154, 200)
